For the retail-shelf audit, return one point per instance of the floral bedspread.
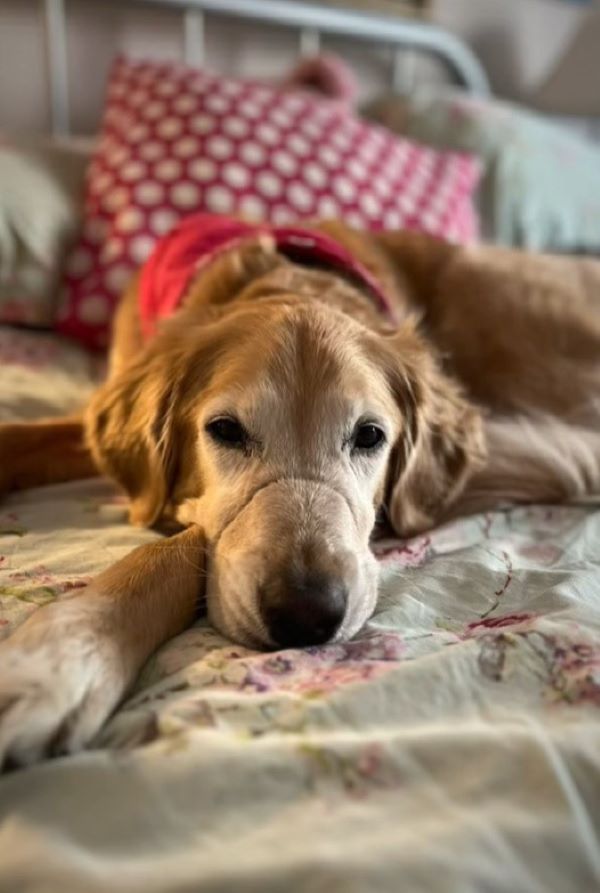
(453, 746)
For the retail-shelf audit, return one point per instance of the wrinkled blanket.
(454, 745)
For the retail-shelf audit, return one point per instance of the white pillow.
(41, 189)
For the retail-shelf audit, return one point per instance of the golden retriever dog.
(271, 418)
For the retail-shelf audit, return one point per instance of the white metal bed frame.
(402, 36)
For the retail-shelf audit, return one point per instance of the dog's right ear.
(130, 427)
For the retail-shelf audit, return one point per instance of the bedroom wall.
(543, 52)
(523, 43)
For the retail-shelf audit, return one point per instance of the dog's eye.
(367, 437)
(228, 432)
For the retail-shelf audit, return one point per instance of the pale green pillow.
(541, 184)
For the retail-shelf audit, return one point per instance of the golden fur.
(487, 392)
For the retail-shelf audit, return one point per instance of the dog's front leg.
(49, 451)
(67, 667)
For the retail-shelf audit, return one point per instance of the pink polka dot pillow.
(176, 140)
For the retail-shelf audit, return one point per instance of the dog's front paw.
(60, 678)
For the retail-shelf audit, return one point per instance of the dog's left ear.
(138, 425)
(441, 441)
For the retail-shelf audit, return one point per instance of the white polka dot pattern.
(176, 140)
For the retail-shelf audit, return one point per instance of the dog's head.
(281, 427)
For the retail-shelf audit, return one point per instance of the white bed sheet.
(453, 746)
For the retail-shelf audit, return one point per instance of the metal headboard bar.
(193, 37)
(347, 23)
(311, 20)
(56, 52)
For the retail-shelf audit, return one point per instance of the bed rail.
(403, 37)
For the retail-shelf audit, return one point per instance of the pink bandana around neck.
(200, 238)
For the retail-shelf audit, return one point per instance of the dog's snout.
(306, 610)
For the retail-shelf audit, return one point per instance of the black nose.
(303, 610)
